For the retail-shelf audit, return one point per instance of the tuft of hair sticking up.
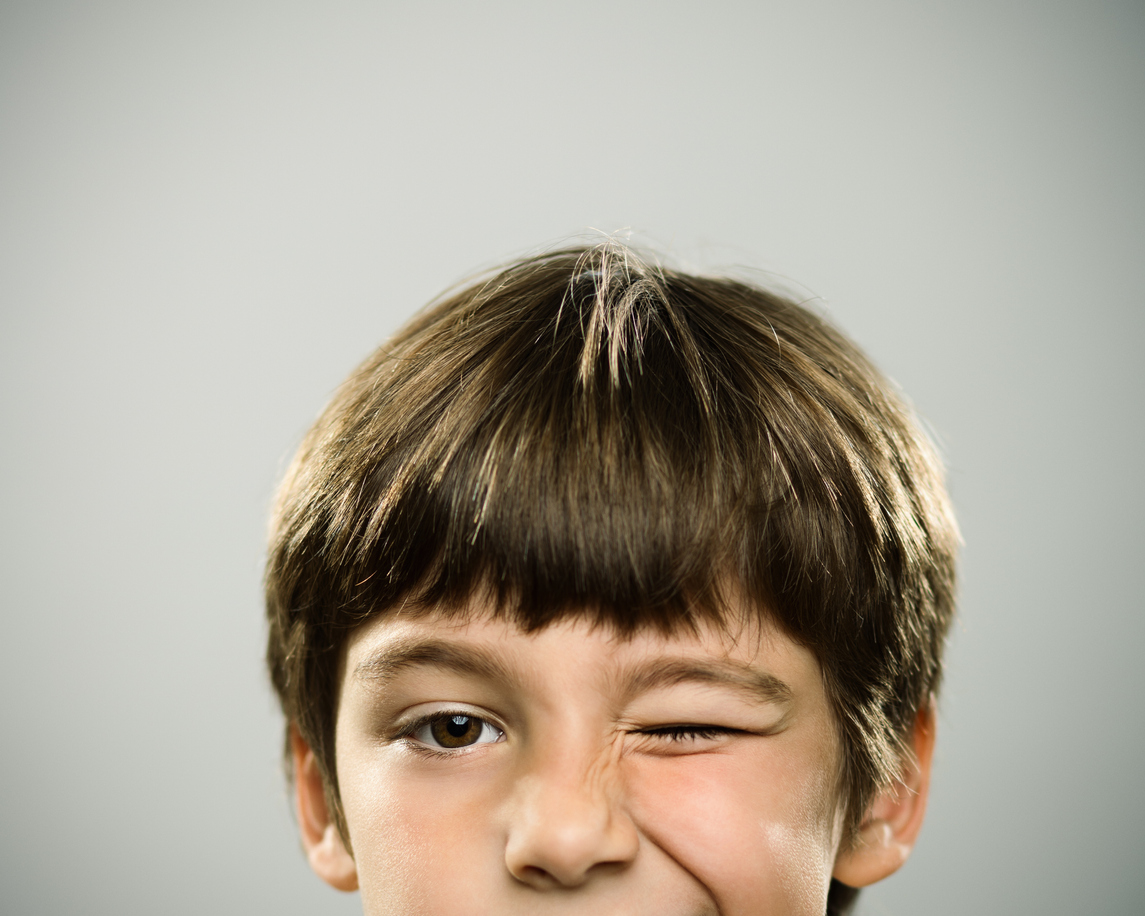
(586, 434)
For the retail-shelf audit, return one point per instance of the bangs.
(589, 435)
(561, 456)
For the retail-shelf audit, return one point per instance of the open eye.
(451, 730)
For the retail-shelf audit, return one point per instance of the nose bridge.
(568, 819)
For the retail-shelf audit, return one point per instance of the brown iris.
(456, 731)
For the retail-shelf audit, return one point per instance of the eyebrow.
(744, 678)
(389, 661)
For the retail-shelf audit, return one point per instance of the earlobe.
(325, 850)
(888, 833)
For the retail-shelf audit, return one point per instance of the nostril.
(536, 876)
(553, 867)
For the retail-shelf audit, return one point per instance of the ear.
(887, 834)
(324, 847)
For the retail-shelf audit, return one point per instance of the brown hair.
(585, 434)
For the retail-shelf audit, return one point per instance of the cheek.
(759, 833)
(421, 845)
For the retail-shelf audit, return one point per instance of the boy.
(606, 589)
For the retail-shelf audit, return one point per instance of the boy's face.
(486, 771)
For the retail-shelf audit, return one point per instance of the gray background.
(210, 211)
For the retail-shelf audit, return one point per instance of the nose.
(568, 825)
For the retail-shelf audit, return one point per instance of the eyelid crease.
(408, 726)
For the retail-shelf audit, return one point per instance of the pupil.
(458, 726)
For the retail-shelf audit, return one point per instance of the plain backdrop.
(209, 212)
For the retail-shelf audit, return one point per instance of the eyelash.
(409, 731)
(682, 733)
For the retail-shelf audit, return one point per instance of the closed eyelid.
(677, 730)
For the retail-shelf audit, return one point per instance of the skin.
(683, 775)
